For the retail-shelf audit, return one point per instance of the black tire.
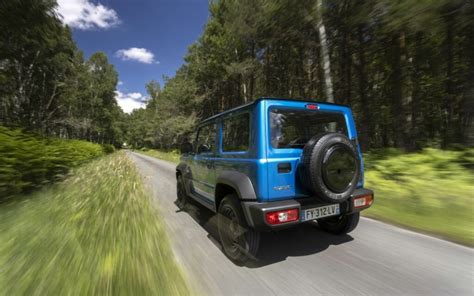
(182, 197)
(341, 224)
(330, 167)
(240, 243)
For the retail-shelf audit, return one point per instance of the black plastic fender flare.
(184, 170)
(239, 182)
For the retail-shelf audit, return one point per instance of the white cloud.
(120, 83)
(130, 101)
(85, 15)
(141, 55)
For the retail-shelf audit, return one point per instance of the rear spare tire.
(330, 167)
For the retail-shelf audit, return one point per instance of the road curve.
(375, 259)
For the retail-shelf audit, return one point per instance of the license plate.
(320, 212)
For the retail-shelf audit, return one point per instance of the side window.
(236, 133)
(206, 139)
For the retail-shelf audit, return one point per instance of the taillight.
(312, 106)
(283, 216)
(363, 201)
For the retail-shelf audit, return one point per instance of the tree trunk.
(346, 68)
(366, 124)
(467, 104)
(324, 52)
(244, 86)
(449, 87)
(398, 108)
(252, 75)
(416, 119)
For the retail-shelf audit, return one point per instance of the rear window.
(293, 128)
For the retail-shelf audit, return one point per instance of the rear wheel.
(341, 224)
(182, 198)
(240, 243)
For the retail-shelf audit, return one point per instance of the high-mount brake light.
(363, 201)
(312, 107)
(284, 216)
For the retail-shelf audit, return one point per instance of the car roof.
(241, 107)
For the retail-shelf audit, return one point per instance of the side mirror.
(203, 148)
(186, 148)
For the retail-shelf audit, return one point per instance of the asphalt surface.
(375, 259)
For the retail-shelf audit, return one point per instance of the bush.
(108, 148)
(28, 161)
(431, 190)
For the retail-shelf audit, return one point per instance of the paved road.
(375, 259)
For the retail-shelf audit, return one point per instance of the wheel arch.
(229, 182)
(222, 190)
(182, 170)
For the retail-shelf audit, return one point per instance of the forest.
(405, 67)
(46, 85)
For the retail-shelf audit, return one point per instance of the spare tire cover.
(330, 167)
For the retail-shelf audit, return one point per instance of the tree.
(45, 84)
(326, 61)
(396, 63)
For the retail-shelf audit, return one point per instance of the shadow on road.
(303, 240)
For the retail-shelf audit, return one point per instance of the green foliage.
(28, 161)
(97, 233)
(431, 191)
(405, 67)
(46, 86)
(168, 117)
(108, 148)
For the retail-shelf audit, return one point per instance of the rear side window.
(206, 139)
(293, 128)
(236, 133)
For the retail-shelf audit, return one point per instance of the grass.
(430, 191)
(96, 233)
(169, 155)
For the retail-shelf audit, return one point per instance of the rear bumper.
(255, 211)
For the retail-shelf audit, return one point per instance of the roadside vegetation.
(94, 234)
(28, 161)
(169, 155)
(431, 191)
(47, 86)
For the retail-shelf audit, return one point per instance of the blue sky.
(144, 39)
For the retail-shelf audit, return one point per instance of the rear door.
(203, 170)
(291, 126)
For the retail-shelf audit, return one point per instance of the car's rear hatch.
(290, 125)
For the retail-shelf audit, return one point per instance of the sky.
(144, 39)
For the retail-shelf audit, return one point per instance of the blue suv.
(273, 164)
